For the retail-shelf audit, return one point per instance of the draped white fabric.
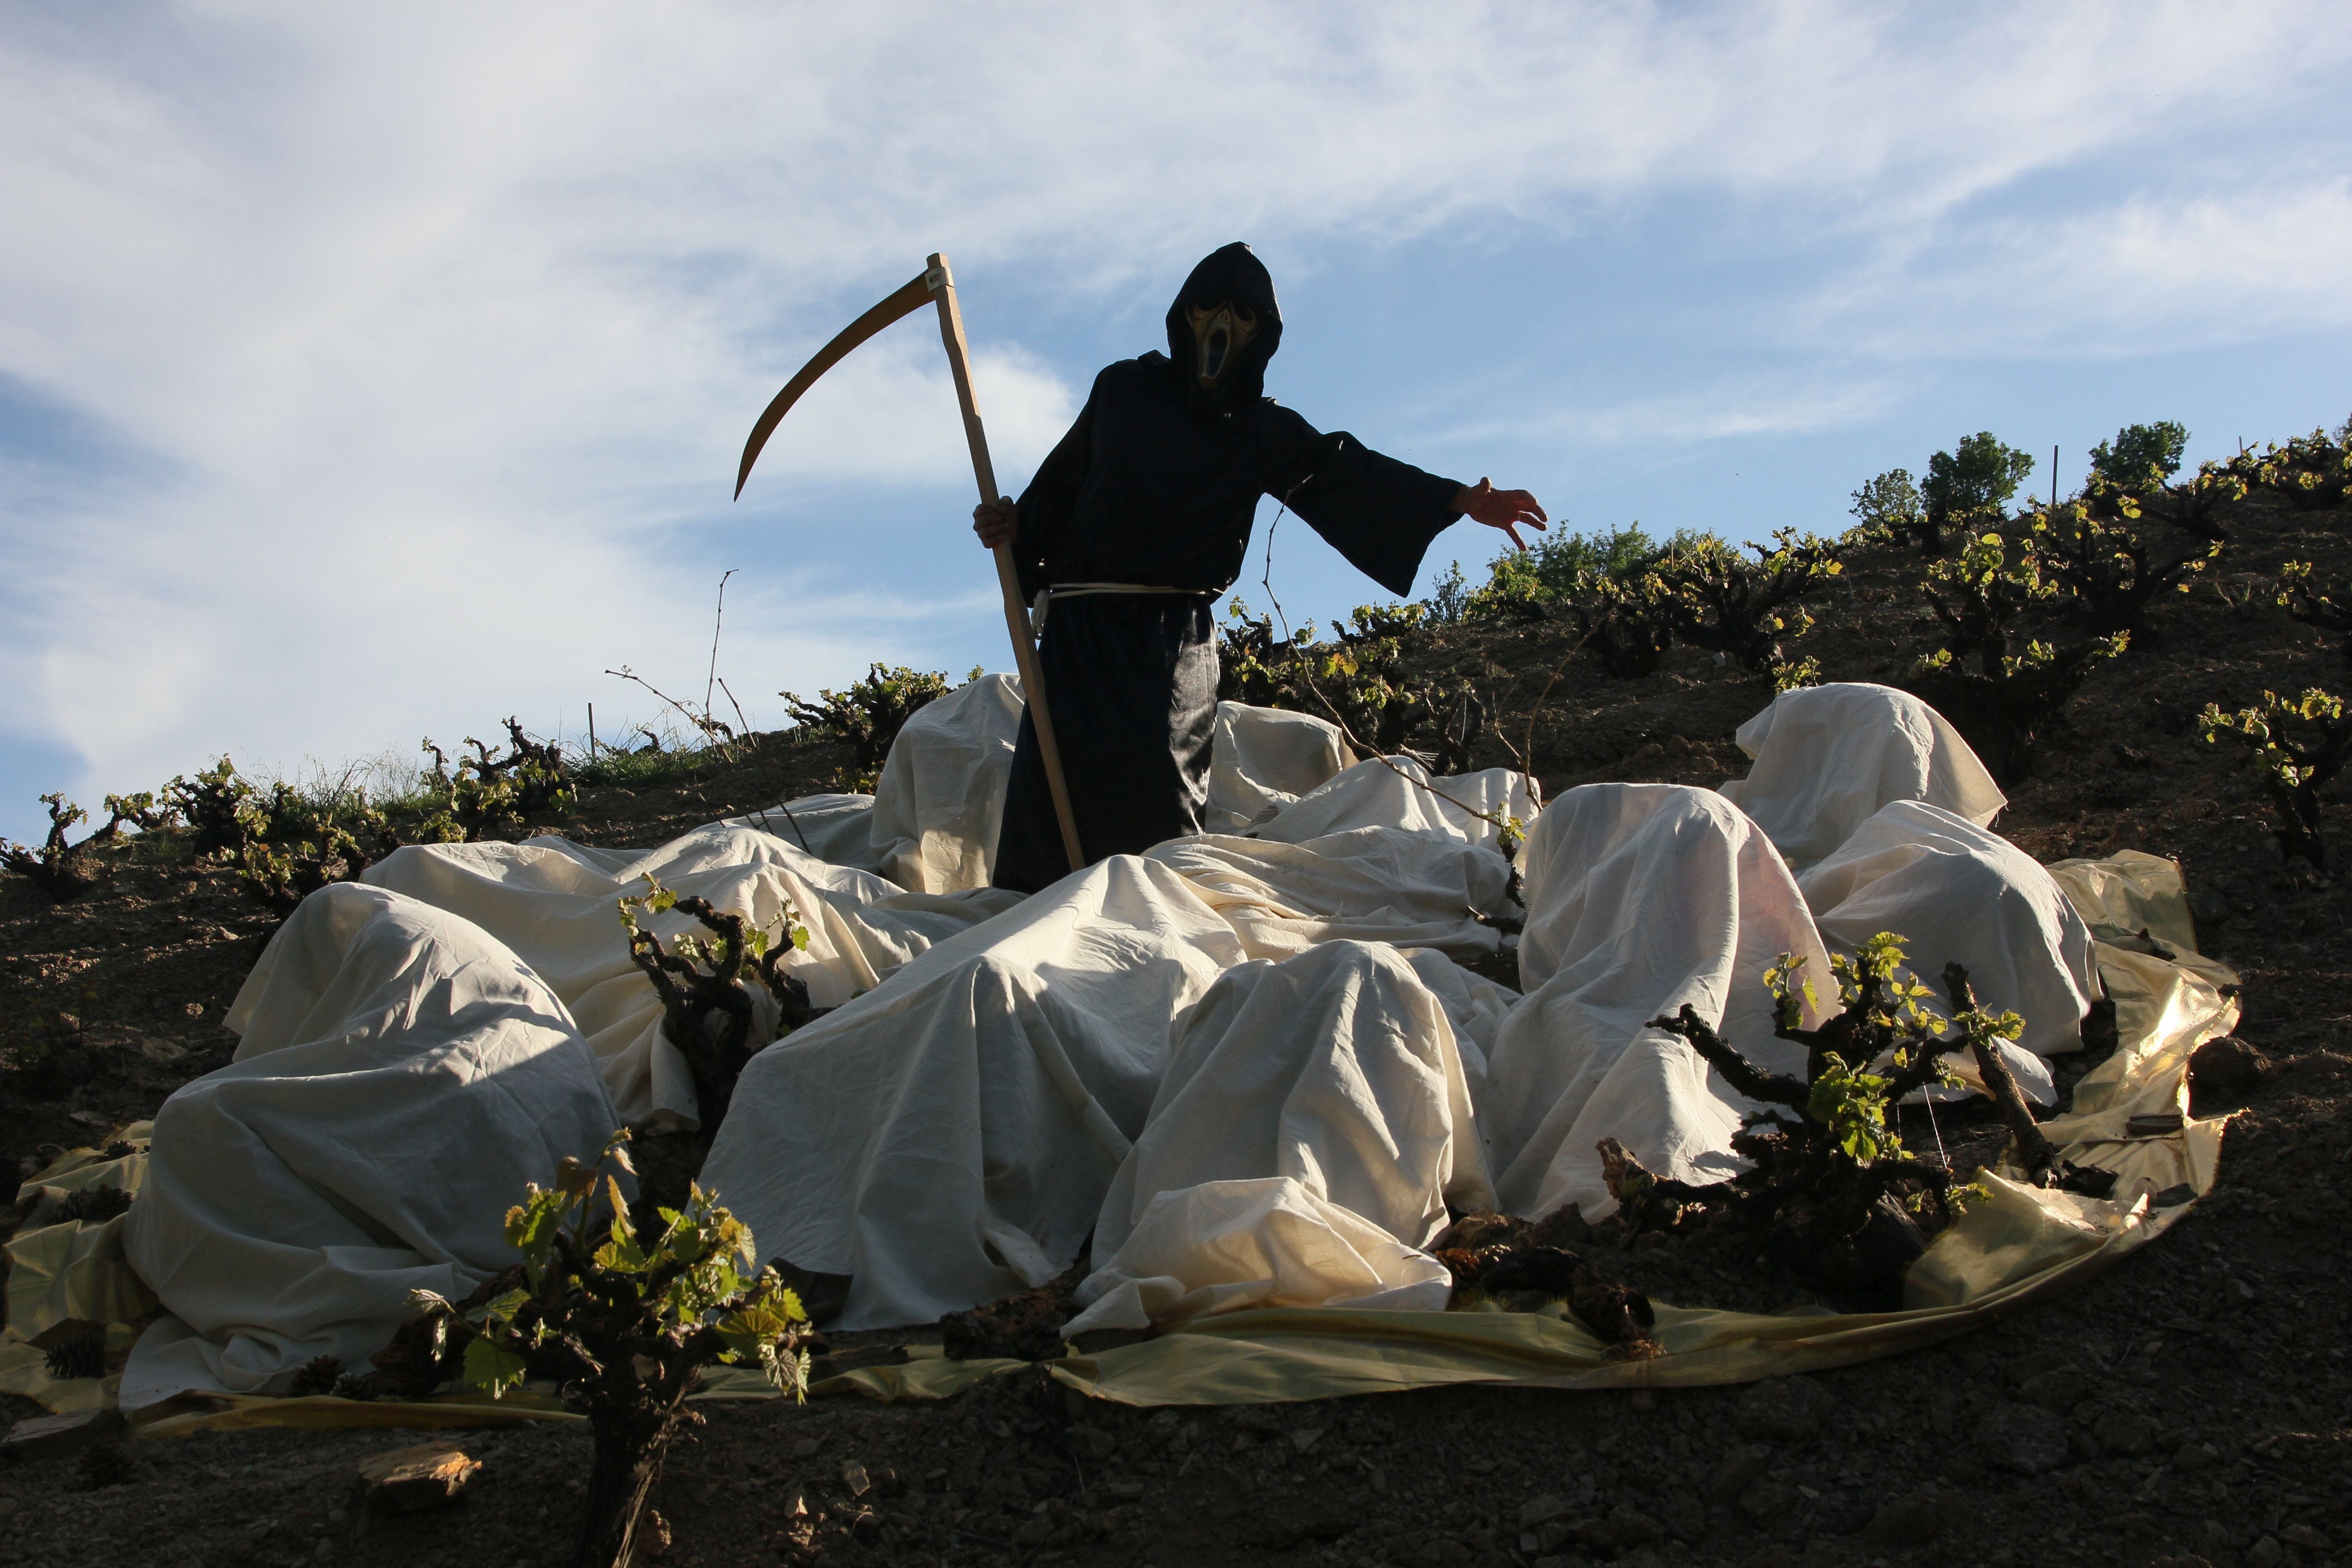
(1958, 894)
(402, 1076)
(1641, 898)
(948, 1138)
(942, 794)
(1337, 1068)
(1264, 759)
(554, 902)
(1253, 1065)
(1828, 757)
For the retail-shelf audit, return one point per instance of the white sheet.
(1828, 757)
(1961, 894)
(1397, 792)
(1641, 898)
(555, 903)
(953, 1132)
(1337, 1068)
(940, 798)
(1263, 759)
(1371, 884)
(1269, 1241)
(402, 1076)
(932, 825)
(836, 829)
(949, 1138)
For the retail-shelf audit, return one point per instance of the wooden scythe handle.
(1016, 614)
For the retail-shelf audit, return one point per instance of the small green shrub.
(869, 716)
(1514, 591)
(286, 843)
(490, 796)
(654, 765)
(1982, 595)
(2200, 507)
(1563, 559)
(1626, 624)
(623, 1320)
(1979, 595)
(1830, 1186)
(1744, 609)
(2110, 573)
(1559, 567)
(2317, 600)
(61, 868)
(1360, 682)
(2299, 744)
(220, 807)
(1450, 598)
(2310, 472)
(1372, 622)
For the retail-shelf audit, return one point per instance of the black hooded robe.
(1158, 484)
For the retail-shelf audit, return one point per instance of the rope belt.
(1045, 597)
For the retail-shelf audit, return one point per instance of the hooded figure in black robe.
(1144, 509)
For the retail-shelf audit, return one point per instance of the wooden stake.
(1016, 614)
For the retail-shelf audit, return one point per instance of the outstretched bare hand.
(994, 520)
(1506, 510)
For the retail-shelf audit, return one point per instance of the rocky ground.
(2190, 1405)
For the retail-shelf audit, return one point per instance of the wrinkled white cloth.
(838, 829)
(1397, 792)
(1474, 1005)
(1369, 884)
(402, 1077)
(1641, 898)
(931, 825)
(997, 1078)
(948, 1139)
(1828, 757)
(1226, 1246)
(940, 798)
(556, 903)
(1263, 759)
(1337, 1068)
(1958, 894)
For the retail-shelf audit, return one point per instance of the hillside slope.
(2200, 1390)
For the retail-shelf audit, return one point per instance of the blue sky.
(367, 373)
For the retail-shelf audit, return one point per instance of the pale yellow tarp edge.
(25, 1371)
(926, 1374)
(1267, 1357)
(2017, 1247)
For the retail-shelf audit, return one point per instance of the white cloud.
(434, 327)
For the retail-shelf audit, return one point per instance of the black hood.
(1232, 273)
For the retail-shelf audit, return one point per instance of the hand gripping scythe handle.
(937, 285)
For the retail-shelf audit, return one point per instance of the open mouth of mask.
(1220, 332)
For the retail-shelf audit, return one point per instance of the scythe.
(935, 286)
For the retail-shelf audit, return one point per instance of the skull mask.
(1220, 332)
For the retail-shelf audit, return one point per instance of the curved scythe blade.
(905, 302)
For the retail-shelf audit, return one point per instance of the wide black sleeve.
(1053, 493)
(1377, 511)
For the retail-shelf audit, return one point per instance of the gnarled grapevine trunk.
(630, 1448)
